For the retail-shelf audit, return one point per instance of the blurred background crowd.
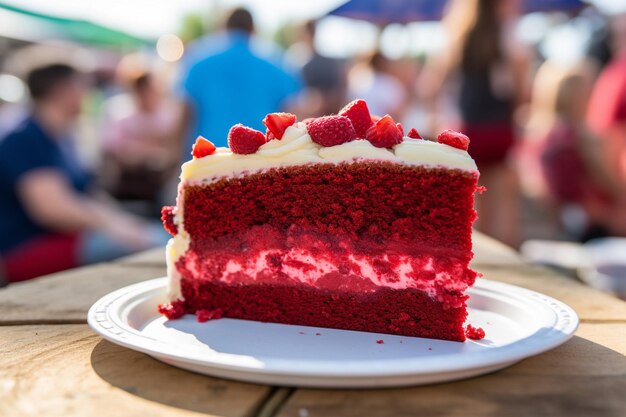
(100, 106)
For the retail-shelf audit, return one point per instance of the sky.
(152, 18)
(338, 37)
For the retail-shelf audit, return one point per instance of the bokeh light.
(170, 48)
(12, 89)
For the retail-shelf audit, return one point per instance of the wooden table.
(52, 364)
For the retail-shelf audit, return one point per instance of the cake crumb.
(474, 333)
(301, 333)
(430, 348)
(380, 341)
(203, 316)
(318, 334)
(174, 310)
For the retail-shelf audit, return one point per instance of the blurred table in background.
(52, 364)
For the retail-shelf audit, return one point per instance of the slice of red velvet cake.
(338, 222)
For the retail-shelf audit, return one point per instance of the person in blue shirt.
(228, 79)
(50, 219)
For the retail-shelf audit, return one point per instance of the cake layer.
(300, 257)
(340, 221)
(402, 312)
(380, 200)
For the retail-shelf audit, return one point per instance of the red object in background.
(607, 106)
(490, 143)
(41, 256)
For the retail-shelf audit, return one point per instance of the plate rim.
(565, 324)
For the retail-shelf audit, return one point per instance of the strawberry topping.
(359, 115)
(414, 134)
(331, 130)
(455, 139)
(202, 148)
(400, 128)
(384, 133)
(277, 123)
(244, 140)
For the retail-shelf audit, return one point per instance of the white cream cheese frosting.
(297, 148)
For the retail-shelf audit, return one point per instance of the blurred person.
(226, 81)
(49, 221)
(573, 173)
(139, 153)
(606, 114)
(324, 78)
(491, 67)
(373, 81)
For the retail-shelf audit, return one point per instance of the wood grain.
(589, 303)
(488, 251)
(66, 370)
(66, 296)
(585, 377)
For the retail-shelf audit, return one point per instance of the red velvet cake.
(339, 222)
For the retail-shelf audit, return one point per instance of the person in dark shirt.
(323, 76)
(49, 220)
(490, 67)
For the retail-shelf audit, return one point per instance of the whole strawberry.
(244, 140)
(359, 115)
(331, 130)
(455, 139)
(384, 133)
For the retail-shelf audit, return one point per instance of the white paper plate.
(518, 323)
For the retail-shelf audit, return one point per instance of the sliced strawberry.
(400, 128)
(331, 130)
(167, 217)
(269, 135)
(277, 123)
(414, 134)
(244, 140)
(384, 133)
(202, 148)
(455, 139)
(359, 115)
(375, 118)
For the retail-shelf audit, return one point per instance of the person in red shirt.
(606, 117)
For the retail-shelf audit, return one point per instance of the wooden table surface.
(52, 364)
